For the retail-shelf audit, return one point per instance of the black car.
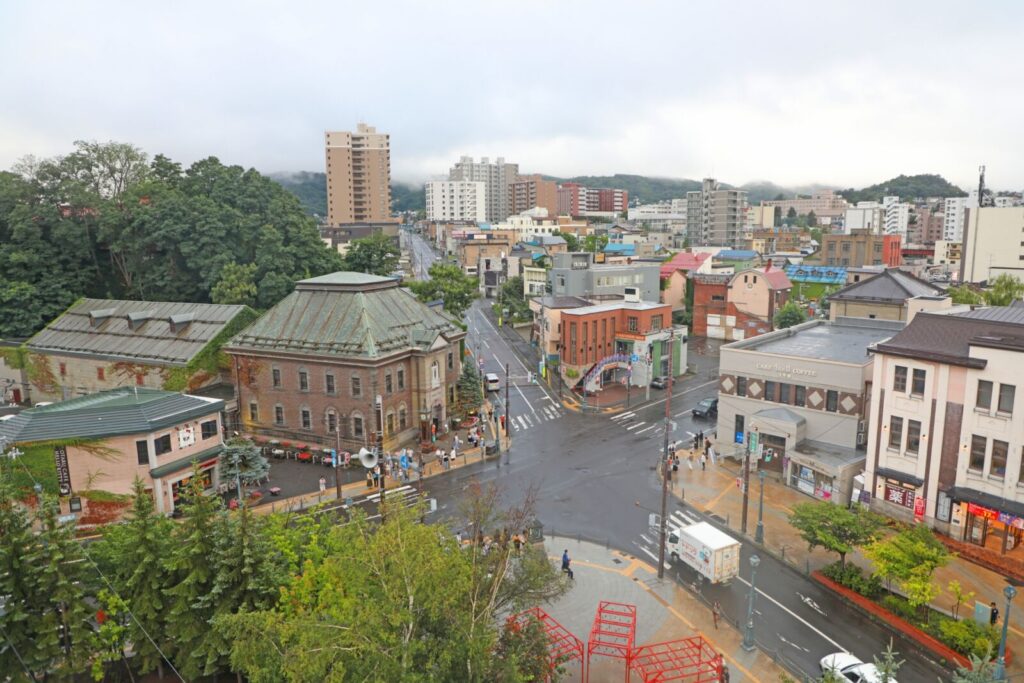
(707, 408)
(659, 383)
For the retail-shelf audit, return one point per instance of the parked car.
(708, 408)
(659, 382)
(848, 668)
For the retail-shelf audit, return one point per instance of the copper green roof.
(125, 410)
(349, 315)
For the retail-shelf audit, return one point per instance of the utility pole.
(508, 419)
(379, 412)
(337, 457)
(750, 447)
(665, 471)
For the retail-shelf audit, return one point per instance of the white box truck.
(713, 554)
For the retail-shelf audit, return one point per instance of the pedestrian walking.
(707, 445)
(716, 611)
(566, 563)
(369, 479)
(689, 461)
(517, 541)
(444, 458)
(993, 615)
(323, 484)
(703, 461)
(700, 437)
(725, 673)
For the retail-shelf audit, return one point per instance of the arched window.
(357, 426)
(390, 422)
(305, 417)
(403, 417)
(331, 420)
(435, 374)
(279, 414)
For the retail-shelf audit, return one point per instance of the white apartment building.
(662, 211)
(498, 178)
(993, 244)
(528, 226)
(946, 439)
(953, 222)
(897, 216)
(456, 200)
(868, 216)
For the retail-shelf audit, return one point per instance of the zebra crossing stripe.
(623, 416)
(634, 426)
(521, 421)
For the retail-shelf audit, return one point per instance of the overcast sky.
(793, 92)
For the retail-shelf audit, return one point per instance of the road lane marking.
(521, 420)
(528, 404)
(634, 426)
(653, 426)
(623, 416)
(793, 614)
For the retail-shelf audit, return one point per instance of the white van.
(492, 382)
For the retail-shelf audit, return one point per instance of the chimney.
(137, 319)
(179, 321)
(97, 317)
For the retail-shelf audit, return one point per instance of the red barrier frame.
(692, 660)
(563, 646)
(613, 633)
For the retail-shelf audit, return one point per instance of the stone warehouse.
(312, 367)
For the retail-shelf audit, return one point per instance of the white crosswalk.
(535, 417)
(645, 430)
(647, 543)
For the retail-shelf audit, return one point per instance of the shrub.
(968, 637)
(900, 608)
(851, 576)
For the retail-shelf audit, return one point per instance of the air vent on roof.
(97, 317)
(137, 319)
(180, 321)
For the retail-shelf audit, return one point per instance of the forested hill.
(906, 187)
(311, 189)
(105, 221)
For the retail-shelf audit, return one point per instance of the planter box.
(928, 642)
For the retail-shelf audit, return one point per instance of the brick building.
(860, 248)
(527, 192)
(311, 368)
(741, 305)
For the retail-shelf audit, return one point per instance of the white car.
(846, 667)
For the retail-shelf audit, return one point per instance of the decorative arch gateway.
(563, 646)
(692, 660)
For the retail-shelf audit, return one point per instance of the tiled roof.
(736, 255)
(1014, 313)
(891, 284)
(948, 338)
(776, 278)
(340, 317)
(684, 260)
(125, 410)
(148, 332)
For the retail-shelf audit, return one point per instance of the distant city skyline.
(799, 94)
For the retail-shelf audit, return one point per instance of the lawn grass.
(35, 464)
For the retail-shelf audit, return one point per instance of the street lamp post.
(666, 472)
(748, 633)
(1010, 592)
(759, 532)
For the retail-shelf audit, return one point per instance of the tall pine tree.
(189, 607)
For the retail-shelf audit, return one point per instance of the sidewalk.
(664, 611)
(358, 487)
(715, 491)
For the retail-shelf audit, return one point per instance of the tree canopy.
(377, 255)
(789, 315)
(833, 527)
(449, 284)
(105, 221)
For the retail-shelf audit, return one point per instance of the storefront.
(901, 494)
(987, 521)
(823, 471)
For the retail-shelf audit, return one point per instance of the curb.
(893, 622)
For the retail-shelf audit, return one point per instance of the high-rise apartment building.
(953, 227)
(897, 216)
(529, 191)
(868, 216)
(576, 200)
(456, 200)
(715, 216)
(358, 176)
(497, 178)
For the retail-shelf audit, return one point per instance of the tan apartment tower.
(358, 176)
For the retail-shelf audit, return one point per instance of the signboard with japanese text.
(186, 436)
(60, 458)
(918, 508)
(899, 496)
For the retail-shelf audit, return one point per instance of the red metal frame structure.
(613, 633)
(563, 646)
(691, 660)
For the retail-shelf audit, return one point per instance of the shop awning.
(185, 463)
(962, 493)
(826, 458)
(900, 476)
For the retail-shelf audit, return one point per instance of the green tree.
(595, 243)
(242, 459)
(571, 241)
(111, 638)
(377, 255)
(833, 527)
(812, 220)
(956, 591)
(816, 234)
(248, 574)
(449, 284)
(1003, 290)
(887, 665)
(980, 670)
(235, 285)
(513, 299)
(141, 575)
(965, 294)
(789, 315)
(469, 394)
(910, 557)
(189, 606)
(522, 655)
